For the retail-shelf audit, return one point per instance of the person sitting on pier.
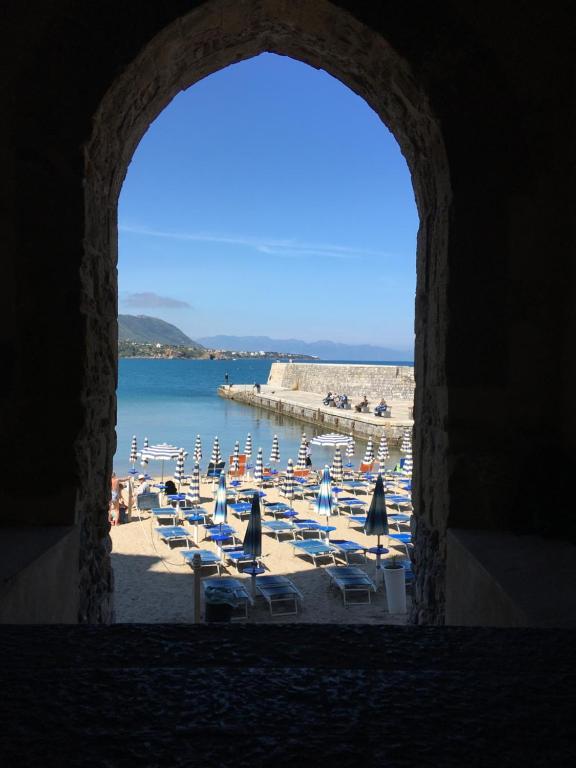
(362, 404)
(341, 401)
(329, 399)
(381, 408)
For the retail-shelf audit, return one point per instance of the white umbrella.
(160, 452)
(194, 492)
(407, 466)
(288, 484)
(216, 456)
(332, 440)
(248, 448)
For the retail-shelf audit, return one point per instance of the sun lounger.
(345, 548)
(280, 594)
(318, 530)
(166, 513)
(358, 521)
(240, 509)
(279, 509)
(356, 587)
(314, 549)
(146, 501)
(171, 533)
(233, 588)
(403, 539)
(193, 513)
(236, 556)
(278, 528)
(208, 559)
(350, 503)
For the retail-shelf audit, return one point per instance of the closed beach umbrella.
(407, 466)
(275, 452)
(332, 440)
(350, 452)
(369, 455)
(377, 519)
(301, 463)
(198, 450)
(144, 461)
(324, 500)
(216, 455)
(336, 471)
(179, 470)
(221, 506)
(235, 455)
(248, 447)
(194, 492)
(259, 467)
(383, 452)
(160, 452)
(288, 484)
(252, 543)
(406, 444)
(133, 452)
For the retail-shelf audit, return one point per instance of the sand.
(153, 584)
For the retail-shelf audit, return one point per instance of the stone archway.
(215, 35)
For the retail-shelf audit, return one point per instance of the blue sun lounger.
(209, 559)
(350, 503)
(278, 509)
(279, 592)
(236, 556)
(352, 583)
(278, 528)
(346, 548)
(315, 549)
(239, 596)
(163, 513)
(403, 539)
(311, 526)
(170, 533)
(240, 509)
(358, 521)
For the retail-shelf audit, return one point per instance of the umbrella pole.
(378, 568)
(253, 578)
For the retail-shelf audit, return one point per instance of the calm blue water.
(174, 400)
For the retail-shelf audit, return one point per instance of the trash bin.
(221, 612)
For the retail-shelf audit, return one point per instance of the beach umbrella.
(406, 444)
(221, 506)
(259, 467)
(332, 440)
(288, 483)
(194, 492)
(369, 455)
(133, 453)
(377, 519)
(160, 452)
(235, 455)
(383, 452)
(179, 469)
(248, 447)
(350, 452)
(301, 463)
(216, 455)
(252, 543)
(144, 462)
(275, 452)
(336, 470)
(198, 450)
(324, 500)
(407, 466)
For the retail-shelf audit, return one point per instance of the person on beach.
(362, 404)
(116, 487)
(308, 454)
(170, 488)
(226, 379)
(143, 486)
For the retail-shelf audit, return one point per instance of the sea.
(172, 401)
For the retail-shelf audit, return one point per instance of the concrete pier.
(308, 408)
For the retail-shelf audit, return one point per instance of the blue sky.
(269, 199)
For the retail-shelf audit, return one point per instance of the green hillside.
(151, 330)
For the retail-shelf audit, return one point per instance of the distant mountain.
(152, 330)
(325, 350)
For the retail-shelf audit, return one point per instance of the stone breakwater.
(392, 382)
(307, 407)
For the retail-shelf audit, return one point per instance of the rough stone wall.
(376, 381)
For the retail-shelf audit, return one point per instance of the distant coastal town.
(174, 351)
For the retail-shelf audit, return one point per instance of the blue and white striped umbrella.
(369, 454)
(407, 466)
(324, 500)
(288, 482)
(350, 450)
(179, 470)
(406, 444)
(331, 439)
(275, 452)
(301, 463)
(235, 455)
(160, 452)
(198, 449)
(134, 451)
(252, 543)
(216, 455)
(336, 471)
(143, 460)
(248, 448)
(377, 519)
(383, 452)
(221, 506)
(194, 492)
(259, 467)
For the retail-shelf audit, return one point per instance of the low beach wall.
(393, 382)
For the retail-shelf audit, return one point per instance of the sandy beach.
(154, 584)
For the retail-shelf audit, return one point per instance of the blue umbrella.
(324, 500)
(252, 543)
(377, 519)
(221, 506)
